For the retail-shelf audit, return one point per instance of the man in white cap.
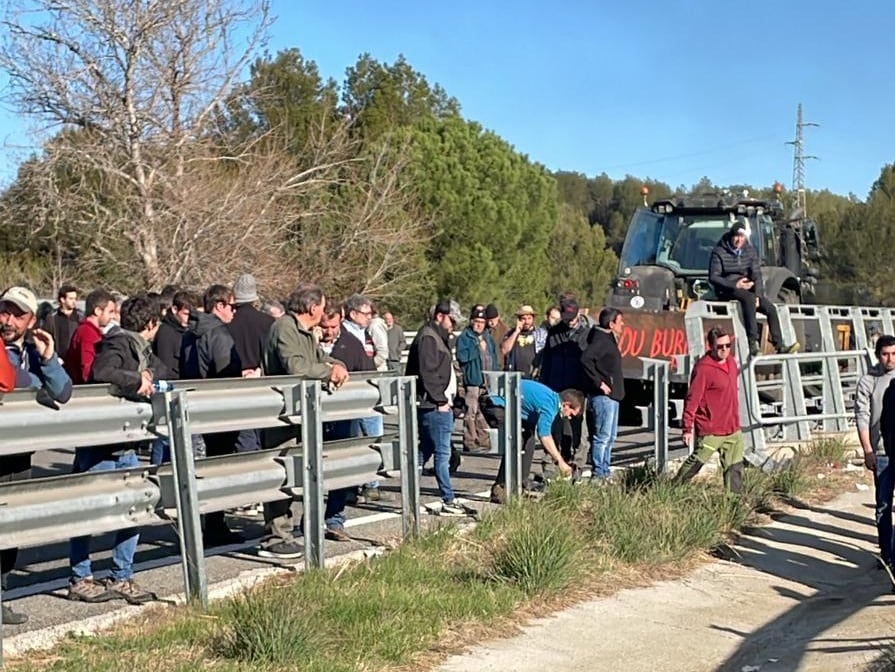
(38, 367)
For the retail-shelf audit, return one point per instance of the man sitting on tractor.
(735, 274)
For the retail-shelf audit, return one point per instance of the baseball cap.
(450, 308)
(525, 309)
(739, 228)
(491, 312)
(568, 309)
(478, 313)
(24, 298)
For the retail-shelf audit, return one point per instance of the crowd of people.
(572, 388)
(132, 344)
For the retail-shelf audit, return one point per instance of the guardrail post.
(187, 500)
(510, 433)
(658, 371)
(312, 473)
(409, 456)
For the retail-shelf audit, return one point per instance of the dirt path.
(804, 595)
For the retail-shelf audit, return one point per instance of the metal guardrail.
(291, 409)
(791, 387)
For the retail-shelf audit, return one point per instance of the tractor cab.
(665, 258)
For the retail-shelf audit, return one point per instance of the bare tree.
(144, 183)
(132, 84)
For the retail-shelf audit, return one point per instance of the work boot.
(788, 349)
(498, 494)
(754, 348)
(688, 470)
(11, 617)
(733, 478)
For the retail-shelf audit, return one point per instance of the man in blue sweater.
(542, 413)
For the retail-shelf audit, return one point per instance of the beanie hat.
(245, 290)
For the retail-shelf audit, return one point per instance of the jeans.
(99, 459)
(368, 427)
(436, 428)
(604, 415)
(161, 452)
(334, 513)
(884, 479)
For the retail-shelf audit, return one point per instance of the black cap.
(568, 309)
(478, 313)
(737, 229)
(491, 312)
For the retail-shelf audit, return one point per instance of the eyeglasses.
(367, 313)
(722, 346)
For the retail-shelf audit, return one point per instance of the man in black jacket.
(61, 325)
(209, 351)
(249, 331)
(124, 359)
(169, 339)
(560, 364)
(431, 361)
(604, 385)
(735, 274)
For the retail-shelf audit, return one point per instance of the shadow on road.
(835, 566)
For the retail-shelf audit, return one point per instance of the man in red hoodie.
(712, 413)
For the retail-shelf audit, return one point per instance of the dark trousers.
(746, 299)
(528, 452)
(222, 443)
(12, 468)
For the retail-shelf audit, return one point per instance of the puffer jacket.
(728, 265)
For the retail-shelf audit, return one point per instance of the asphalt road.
(38, 586)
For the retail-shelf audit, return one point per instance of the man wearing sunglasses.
(712, 413)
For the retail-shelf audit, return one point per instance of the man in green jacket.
(292, 350)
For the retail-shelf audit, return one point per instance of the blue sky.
(670, 90)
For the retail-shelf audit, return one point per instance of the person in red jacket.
(7, 373)
(712, 413)
(100, 307)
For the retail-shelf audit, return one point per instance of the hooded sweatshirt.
(712, 407)
(208, 349)
(869, 403)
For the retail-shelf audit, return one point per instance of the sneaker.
(88, 590)
(754, 348)
(336, 534)
(789, 349)
(498, 494)
(455, 508)
(131, 592)
(221, 536)
(11, 617)
(283, 550)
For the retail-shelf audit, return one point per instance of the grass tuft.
(265, 625)
(828, 450)
(537, 551)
